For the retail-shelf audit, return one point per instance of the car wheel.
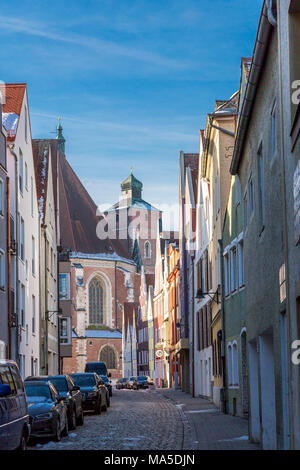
(57, 436)
(65, 431)
(80, 419)
(72, 419)
(23, 442)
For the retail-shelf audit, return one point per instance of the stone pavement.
(205, 427)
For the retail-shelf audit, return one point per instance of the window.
(64, 287)
(21, 171)
(227, 274)
(251, 196)
(241, 263)
(108, 356)
(206, 207)
(65, 331)
(261, 187)
(229, 364)
(2, 269)
(147, 250)
(2, 196)
(26, 124)
(22, 319)
(26, 176)
(273, 130)
(33, 314)
(96, 301)
(22, 240)
(233, 259)
(33, 256)
(32, 194)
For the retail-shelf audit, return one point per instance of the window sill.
(2, 289)
(233, 387)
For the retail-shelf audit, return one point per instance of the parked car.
(93, 390)
(47, 410)
(73, 398)
(121, 383)
(14, 417)
(107, 384)
(140, 382)
(130, 382)
(98, 367)
(150, 381)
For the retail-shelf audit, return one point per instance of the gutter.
(17, 231)
(260, 49)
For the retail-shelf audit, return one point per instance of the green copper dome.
(134, 185)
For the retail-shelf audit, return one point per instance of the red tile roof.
(14, 94)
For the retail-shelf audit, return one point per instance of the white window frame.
(33, 264)
(2, 197)
(241, 262)
(21, 171)
(33, 325)
(233, 269)
(227, 273)
(2, 269)
(68, 337)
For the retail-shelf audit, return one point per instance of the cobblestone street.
(155, 420)
(135, 420)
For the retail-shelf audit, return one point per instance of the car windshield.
(132, 378)
(37, 393)
(59, 383)
(84, 380)
(141, 378)
(104, 378)
(99, 368)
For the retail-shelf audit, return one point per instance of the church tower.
(60, 138)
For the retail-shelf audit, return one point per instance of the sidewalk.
(206, 427)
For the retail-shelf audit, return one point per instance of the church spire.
(60, 137)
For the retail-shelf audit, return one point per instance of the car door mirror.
(5, 390)
(109, 374)
(75, 388)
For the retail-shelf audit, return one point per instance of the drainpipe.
(17, 358)
(291, 416)
(271, 17)
(45, 303)
(193, 327)
(8, 264)
(220, 241)
(58, 318)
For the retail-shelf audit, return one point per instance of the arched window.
(96, 301)
(147, 250)
(108, 356)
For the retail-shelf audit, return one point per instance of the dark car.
(14, 417)
(121, 383)
(140, 382)
(98, 367)
(47, 410)
(93, 390)
(73, 398)
(107, 384)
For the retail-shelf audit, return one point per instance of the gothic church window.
(147, 250)
(96, 302)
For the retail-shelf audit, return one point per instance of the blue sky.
(131, 79)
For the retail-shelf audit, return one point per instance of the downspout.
(271, 16)
(220, 241)
(45, 303)
(286, 247)
(193, 327)
(8, 264)
(116, 311)
(58, 318)
(17, 358)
